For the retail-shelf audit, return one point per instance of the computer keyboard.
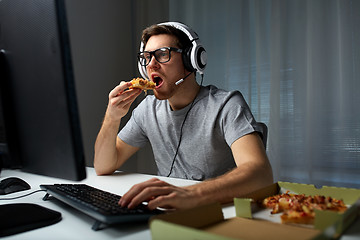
(100, 205)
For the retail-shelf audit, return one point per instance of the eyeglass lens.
(161, 55)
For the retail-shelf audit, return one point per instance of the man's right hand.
(110, 151)
(120, 100)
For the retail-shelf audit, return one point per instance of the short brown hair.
(182, 42)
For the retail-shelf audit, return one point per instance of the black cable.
(181, 128)
(28, 194)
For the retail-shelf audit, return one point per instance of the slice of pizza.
(299, 217)
(142, 84)
(278, 203)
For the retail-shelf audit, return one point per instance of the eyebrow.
(159, 48)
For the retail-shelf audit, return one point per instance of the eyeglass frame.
(152, 53)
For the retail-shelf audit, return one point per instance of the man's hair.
(182, 40)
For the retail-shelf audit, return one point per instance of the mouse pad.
(21, 217)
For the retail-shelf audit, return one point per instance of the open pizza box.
(251, 222)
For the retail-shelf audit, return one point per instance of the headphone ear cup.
(201, 58)
(186, 56)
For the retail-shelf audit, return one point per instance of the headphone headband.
(182, 27)
(194, 58)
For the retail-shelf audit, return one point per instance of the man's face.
(164, 74)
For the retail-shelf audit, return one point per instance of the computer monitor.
(40, 126)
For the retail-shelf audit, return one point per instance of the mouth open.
(157, 80)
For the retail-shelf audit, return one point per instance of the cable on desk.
(28, 194)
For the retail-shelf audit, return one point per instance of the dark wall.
(105, 37)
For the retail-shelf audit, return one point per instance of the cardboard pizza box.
(207, 222)
(245, 207)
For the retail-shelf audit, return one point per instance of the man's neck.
(185, 95)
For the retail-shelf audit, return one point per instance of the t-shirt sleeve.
(236, 118)
(133, 133)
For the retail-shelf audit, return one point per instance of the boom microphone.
(182, 79)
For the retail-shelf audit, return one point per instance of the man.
(196, 132)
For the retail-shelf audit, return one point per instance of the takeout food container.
(245, 207)
(207, 222)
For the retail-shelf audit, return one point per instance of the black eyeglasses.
(162, 55)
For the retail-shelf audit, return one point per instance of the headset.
(194, 57)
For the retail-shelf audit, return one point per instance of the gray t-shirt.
(216, 119)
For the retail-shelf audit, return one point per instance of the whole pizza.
(300, 208)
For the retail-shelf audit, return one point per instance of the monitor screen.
(40, 121)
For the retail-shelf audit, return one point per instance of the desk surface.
(76, 225)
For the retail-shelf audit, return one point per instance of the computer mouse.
(13, 184)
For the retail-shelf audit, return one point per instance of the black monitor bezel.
(27, 154)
